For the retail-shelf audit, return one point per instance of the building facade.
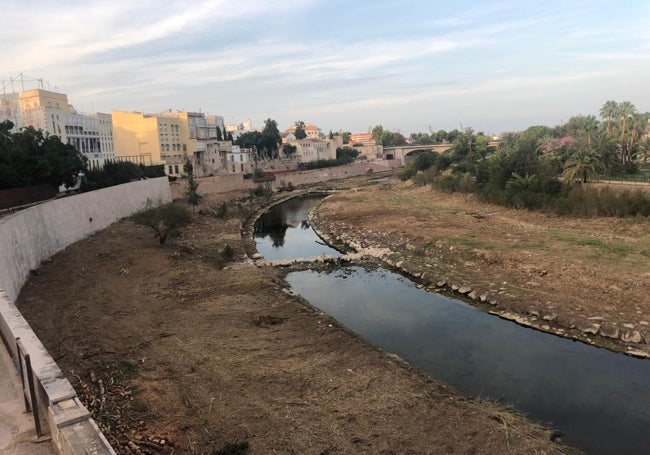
(92, 135)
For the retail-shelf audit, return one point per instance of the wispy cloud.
(297, 58)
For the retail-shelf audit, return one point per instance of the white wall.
(33, 235)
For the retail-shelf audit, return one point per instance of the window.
(176, 168)
(171, 169)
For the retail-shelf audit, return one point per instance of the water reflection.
(599, 399)
(284, 232)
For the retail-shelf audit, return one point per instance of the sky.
(410, 66)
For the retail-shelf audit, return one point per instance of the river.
(598, 399)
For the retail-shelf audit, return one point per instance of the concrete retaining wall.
(29, 237)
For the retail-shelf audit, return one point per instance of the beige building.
(311, 130)
(169, 138)
(90, 134)
(313, 149)
(39, 108)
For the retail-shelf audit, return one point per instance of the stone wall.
(227, 183)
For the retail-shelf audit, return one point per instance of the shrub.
(228, 253)
(165, 220)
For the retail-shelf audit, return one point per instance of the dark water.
(284, 232)
(599, 400)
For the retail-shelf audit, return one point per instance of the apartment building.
(90, 134)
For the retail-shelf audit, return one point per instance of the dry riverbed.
(178, 349)
(582, 278)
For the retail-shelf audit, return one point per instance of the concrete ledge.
(82, 438)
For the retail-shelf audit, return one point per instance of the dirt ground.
(177, 349)
(584, 278)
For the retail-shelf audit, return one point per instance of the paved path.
(16, 426)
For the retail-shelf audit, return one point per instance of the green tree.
(32, 157)
(300, 130)
(191, 193)
(270, 139)
(378, 134)
(583, 165)
(219, 135)
(346, 137)
(609, 112)
(331, 135)
(289, 150)
(165, 220)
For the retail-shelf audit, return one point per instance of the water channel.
(598, 399)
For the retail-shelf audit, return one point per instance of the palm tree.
(643, 150)
(582, 165)
(626, 110)
(609, 111)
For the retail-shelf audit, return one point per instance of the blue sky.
(344, 65)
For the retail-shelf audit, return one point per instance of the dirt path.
(176, 349)
(584, 278)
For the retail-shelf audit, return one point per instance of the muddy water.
(598, 399)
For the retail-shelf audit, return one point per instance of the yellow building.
(151, 139)
(169, 138)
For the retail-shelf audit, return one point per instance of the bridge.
(404, 152)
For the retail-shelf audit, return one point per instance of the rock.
(465, 290)
(534, 313)
(609, 331)
(399, 264)
(441, 283)
(550, 317)
(454, 287)
(589, 328)
(613, 287)
(473, 295)
(628, 326)
(493, 302)
(257, 256)
(644, 322)
(483, 297)
(596, 318)
(632, 337)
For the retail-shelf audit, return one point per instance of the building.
(215, 158)
(311, 131)
(170, 138)
(362, 138)
(313, 149)
(235, 129)
(41, 109)
(240, 160)
(90, 134)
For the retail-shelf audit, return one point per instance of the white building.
(240, 160)
(92, 135)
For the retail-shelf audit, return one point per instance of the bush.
(118, 172)
(228, 253)
(165, 220)
(222, 211)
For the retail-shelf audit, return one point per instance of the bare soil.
(582, 278)
(177, 349)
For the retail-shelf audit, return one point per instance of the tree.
(219, 135)
(346, 137)
(609, 111)
(300, 130)
(289, 150)
(164, 220)
(229, 136)
(583, 165)
(331, 135)
(193, 197)
(378, 134)
(626, 110)
(270, 138)
(32, 157)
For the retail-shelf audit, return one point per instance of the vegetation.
(191, 193)
(165, 220)
(118, 172)
(32, 157)
(542, 167)
(300, 130)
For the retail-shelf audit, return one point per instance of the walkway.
(16, 426)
